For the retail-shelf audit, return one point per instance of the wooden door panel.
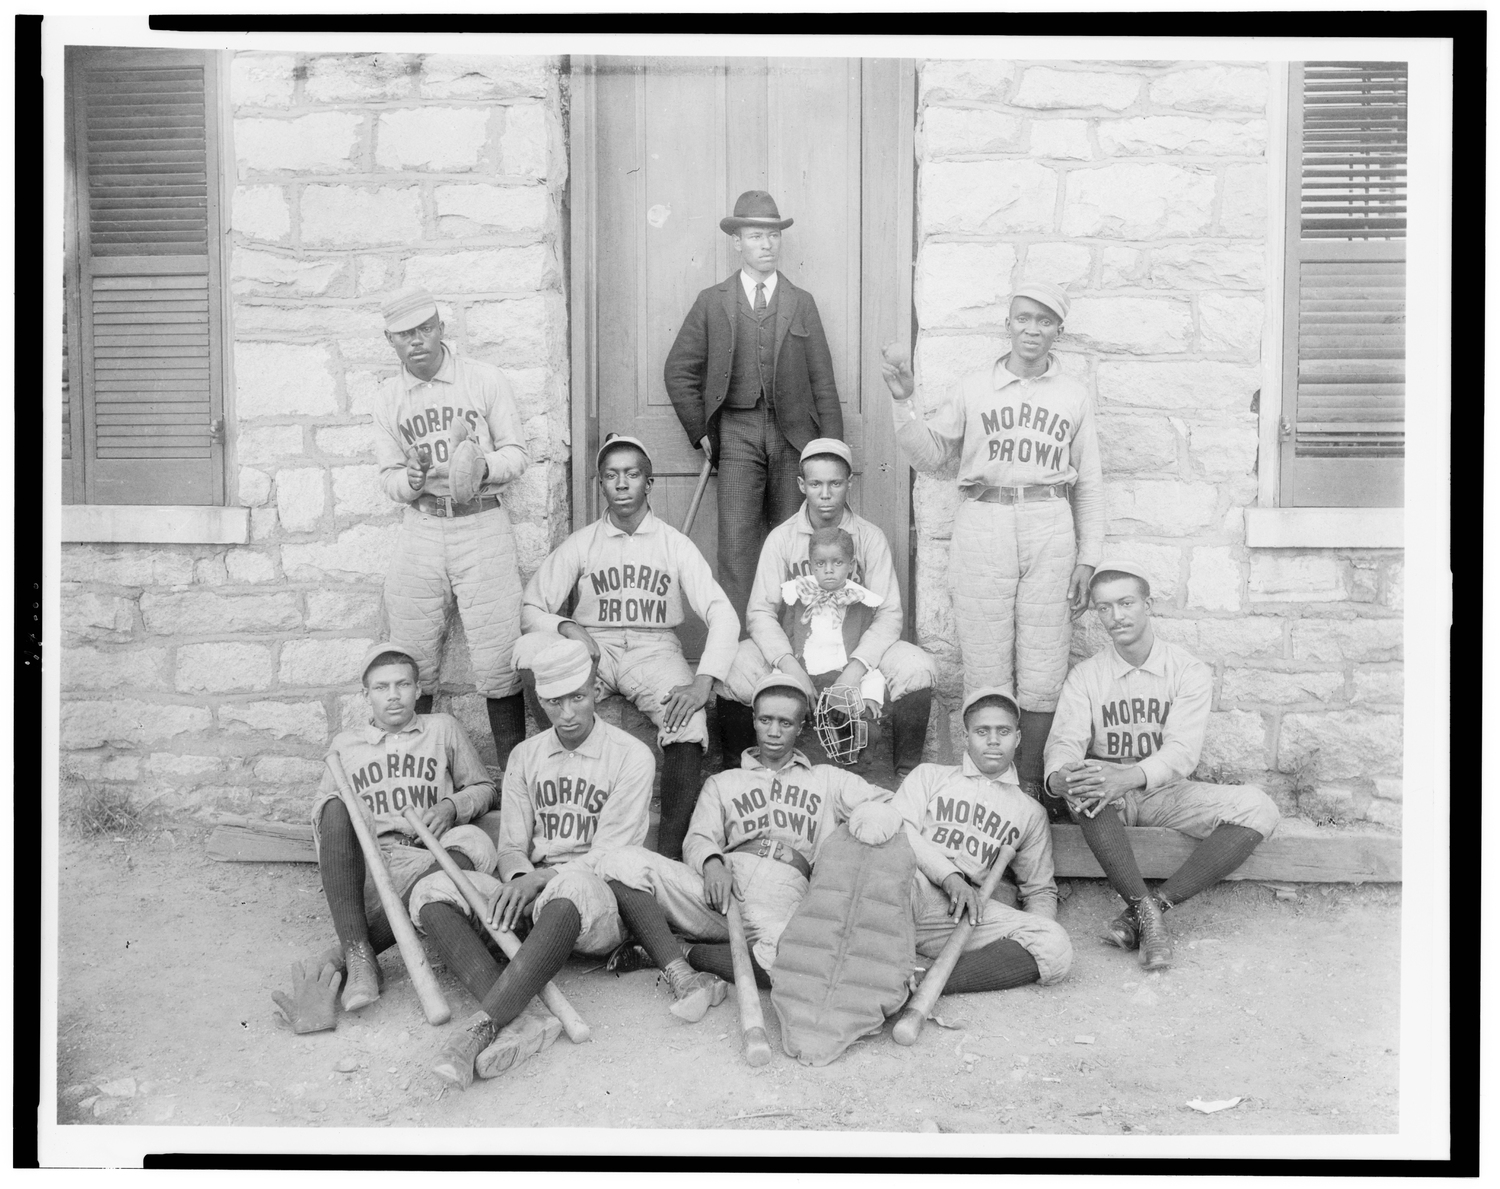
(662, 149)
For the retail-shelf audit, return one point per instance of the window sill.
(155, 524)
(1313, 528)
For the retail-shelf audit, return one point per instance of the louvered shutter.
(1344, 385)
(145, 150)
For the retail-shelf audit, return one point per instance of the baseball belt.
(443, 505)
(1017, 495)
(768, 848)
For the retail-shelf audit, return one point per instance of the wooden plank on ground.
(238, 844)
(1295, 853)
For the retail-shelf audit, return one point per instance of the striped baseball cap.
(408, 308)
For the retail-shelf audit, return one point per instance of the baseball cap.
(991, 691)
(620, 439)
(828, 446)
(1048, 294)
(776, 679)
(408, 308)
(1120, 566)
(375, 651)
(561, 668)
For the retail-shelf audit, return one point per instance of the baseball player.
(755, 834)
(1026, 444)
(399, 758)
(826, 467)
(448, 440)
(1128, 734)
(630, 575)
(571, 794)
(962, 819)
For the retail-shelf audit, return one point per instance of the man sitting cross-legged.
(571, 794)
(755, 835)
(1128, 734)
(962, 819)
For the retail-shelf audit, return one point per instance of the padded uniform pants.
(1008, 570)
(470, 560)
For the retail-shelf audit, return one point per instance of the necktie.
(760, 295)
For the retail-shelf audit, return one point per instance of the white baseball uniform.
(796, 807)
(566, 809)
(1009, 564)
(960, 821)
(1153, 716)
(468, 559)
(630, 591)
(784, 558)
(428, 760)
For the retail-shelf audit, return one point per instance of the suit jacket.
(698, 365)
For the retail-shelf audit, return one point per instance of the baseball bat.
(752, 1022)
(687, 525)
(433, 1004)
(909, 1026)
(572, 1022)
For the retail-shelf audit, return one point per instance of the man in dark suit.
(751, 377)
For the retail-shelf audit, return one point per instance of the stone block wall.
(212, 676)
(1140, 187)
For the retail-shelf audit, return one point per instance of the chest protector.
(844, 958)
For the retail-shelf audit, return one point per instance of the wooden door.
(661, 147)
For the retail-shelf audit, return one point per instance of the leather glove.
(466, 465)
(312, 1005)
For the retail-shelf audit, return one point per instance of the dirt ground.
(169, 960)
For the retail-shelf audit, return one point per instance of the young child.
(827, 474)
(398, 758)
(826, 613)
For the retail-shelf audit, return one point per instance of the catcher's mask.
(840, 724)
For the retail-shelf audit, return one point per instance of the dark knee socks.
(681, 777)
(1035, 726)
(648, 922)
(507, 724)
(382, 936)
(717, 959)
(736, 730)
(461, 947)
(1106, 837)
(553, 934)
(909, 715)
(342, 866)
(997, 967)
(1214, 858)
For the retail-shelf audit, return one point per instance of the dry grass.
(94, 809)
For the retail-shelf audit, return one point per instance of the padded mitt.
(844, 959)
(466, 465)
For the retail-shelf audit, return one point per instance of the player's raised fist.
(895, 370)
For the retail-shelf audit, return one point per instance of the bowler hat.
(754, 208)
